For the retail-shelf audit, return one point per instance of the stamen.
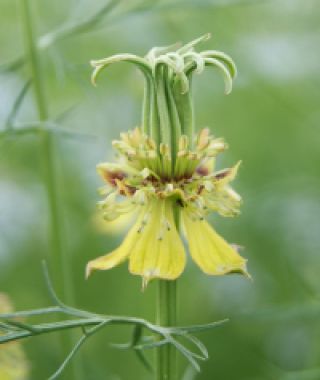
(149, 275)
(183, 142)
(144, 222)
(168, 225)
(203, 139)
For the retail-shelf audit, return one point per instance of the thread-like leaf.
(90, 323)
(186, 353)
(74, 350)
(155, 344)
(190, 374)
(17, 103)
(144, 361)
(197, 342)
(13, 65)
(20, 129)
(50, 288)
(70, 29)
(23, 326)
(31, 313)
(199, 328)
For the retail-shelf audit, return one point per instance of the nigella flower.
(166, 177)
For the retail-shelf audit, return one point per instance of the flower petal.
(210, 251)
(226, 176)
(116, 225)
(119, 255)
(159, 253)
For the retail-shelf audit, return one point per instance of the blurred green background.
(271, 122)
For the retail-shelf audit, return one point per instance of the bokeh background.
(271, 122)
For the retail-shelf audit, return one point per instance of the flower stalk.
(166, 365)
(57, 254)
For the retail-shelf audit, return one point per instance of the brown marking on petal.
(152, 179)
(112, 177)
(200, 189)
(202, 170)
(222, 174)
(125, 189)
(131, 189)
(164, 179)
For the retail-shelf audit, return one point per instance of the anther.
(168, 225)
(141, 228)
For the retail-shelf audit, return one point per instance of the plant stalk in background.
(165, 176)
(57, 254)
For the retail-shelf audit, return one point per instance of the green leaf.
(17, 103)
(13, 65)
(70, 29)
(201, 347)
(136, 335)
(198, 328)
(91, 323)
(31, 313)
(68, 358)
(22, 326)
(190, 374)
(144, 361)
(155, 344)
(190, 356)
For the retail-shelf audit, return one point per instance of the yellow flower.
(139, 184)
(165, 175)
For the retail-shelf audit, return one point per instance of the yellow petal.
(227, 175)
(210, 251)
(159, 253)
(116, 226)
(13, 362)
(118, 255)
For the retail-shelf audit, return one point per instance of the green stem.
(57, 254)
(166, 316)
(33, 57)
(166, 361)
